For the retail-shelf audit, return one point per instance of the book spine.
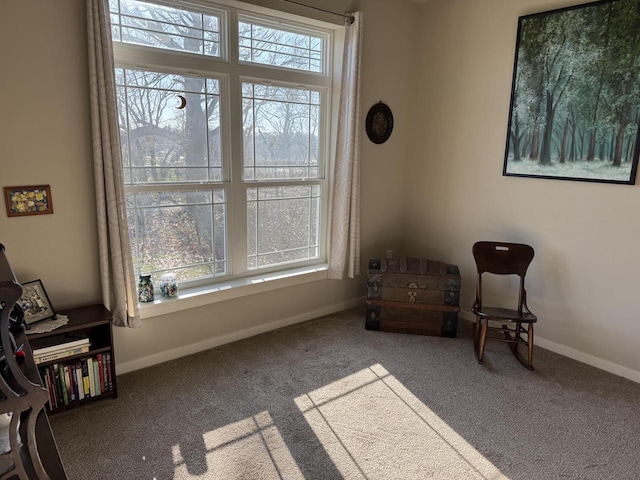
(109, 370)
(101, 371)
(71, 392)
(92, 385)
(54, 386)
(78, 370)
(58, 355)
(57, 385)
(74, 378)
(85, 378)
(69, 379)
(96, 376)
(104, 373)
(63, 384)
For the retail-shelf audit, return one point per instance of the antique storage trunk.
(413, 295)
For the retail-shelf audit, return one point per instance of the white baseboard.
(574, 354)
(250, 332)
(232, 337)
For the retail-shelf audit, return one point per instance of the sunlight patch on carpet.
(250, 448)
(373, 427)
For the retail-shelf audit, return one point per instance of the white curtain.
(119, 291)
(344, 242)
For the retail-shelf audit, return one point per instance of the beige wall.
(45, 139)
(433, 189)
(583, 283)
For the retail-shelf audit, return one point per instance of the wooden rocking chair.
(503, 259)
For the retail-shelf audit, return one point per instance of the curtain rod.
(349, 18)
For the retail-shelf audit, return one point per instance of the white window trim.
(233, 288)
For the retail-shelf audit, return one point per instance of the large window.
(224, 120)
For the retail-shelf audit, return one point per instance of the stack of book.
(61, 350)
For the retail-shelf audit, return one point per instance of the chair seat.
(507, 314)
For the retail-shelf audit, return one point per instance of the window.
(273, 45)
(224, 138)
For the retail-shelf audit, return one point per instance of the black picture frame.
(379, 123)
(575, 94)
(35, 302)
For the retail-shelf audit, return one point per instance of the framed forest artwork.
(575, 99)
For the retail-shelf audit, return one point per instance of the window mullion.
(237, 204)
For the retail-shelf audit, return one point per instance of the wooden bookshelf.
(94, 322)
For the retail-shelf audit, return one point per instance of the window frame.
(231, 72)
(295, 27)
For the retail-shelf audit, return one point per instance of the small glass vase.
(168, 285)
(145, 289)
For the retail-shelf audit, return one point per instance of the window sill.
(219, 292)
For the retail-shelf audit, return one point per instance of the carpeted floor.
(327, 399)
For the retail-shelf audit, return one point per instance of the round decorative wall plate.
(379, 123)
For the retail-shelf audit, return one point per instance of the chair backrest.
(502, 258)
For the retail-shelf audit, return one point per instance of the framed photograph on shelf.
(28, 200)
(574, 112)
(35, 302)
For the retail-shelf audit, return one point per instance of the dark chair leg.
(483, 339)
(476, 336)
(517, 336)
(476, 332)
(530, 345)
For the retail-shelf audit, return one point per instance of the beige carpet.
(373, 427)
(328, 399)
